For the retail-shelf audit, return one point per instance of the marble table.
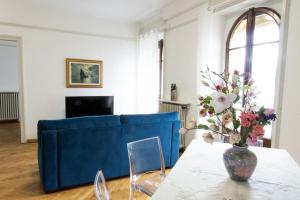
(200, 174)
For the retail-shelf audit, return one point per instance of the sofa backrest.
(66, 148)
(72, 150)
(141, 126)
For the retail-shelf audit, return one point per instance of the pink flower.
(252, 116)
(202, 113)
(257, 131)
(245, 123)
(219, 87)
(247, 119)
(251, 141)
(211, 111)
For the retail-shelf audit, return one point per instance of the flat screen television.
(89, 106)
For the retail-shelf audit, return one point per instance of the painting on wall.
(84, 73)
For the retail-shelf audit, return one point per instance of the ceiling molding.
(159, 19)
(41, 28)
(229, 6)
(180, 7)
(172, 10)
(181, 24)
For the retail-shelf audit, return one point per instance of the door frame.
(18, 39)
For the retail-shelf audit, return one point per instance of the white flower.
(221, 101)
(234, 138)
(214, 127)
(227, 117)
(208, 137)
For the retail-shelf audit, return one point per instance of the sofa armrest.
(48, 160)
(175, 142)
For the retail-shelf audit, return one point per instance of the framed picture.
(84, 73)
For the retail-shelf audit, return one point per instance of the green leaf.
(207, 100)
(203, 126)
(237, 99)
(211, 121)
(236, 124)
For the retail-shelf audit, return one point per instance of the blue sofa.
(70, 151)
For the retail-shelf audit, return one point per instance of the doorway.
(11, 93)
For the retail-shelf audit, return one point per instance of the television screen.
(89, 106)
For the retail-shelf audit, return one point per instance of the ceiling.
(113, 10)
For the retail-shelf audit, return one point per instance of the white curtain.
(148, 72)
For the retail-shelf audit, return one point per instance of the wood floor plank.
(19, 179)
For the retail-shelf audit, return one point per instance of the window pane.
(264, 73)
(238, 38)
(236, 60)
(266, 29)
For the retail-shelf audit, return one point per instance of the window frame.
(161, 67)
(250, 27)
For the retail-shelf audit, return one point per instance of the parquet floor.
(19, 179)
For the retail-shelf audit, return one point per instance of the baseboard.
(9, 121)
(32, 141)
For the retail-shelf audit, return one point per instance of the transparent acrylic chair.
(101, 190)
(147, 165)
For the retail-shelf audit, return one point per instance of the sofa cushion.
(83, 151)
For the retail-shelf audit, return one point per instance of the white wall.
(181, 62)
(193, 41)
(9, 66)
(290, 116)
(43, 59)
(210, 42)
(44, 71)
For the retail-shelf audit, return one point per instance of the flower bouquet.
(231, 110)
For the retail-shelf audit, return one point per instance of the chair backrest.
(101, 190)
(145, 155)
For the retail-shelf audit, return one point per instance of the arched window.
(252, 47)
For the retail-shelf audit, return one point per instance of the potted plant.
(230, 110)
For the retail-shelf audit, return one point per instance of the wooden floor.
(19, 177)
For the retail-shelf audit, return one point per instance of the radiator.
(9, 106)
(181, 108)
